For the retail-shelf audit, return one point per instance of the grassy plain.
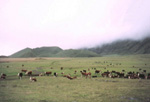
(61, 89)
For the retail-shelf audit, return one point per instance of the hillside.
(124, 47)
(52, 52)
(37, 52)
(76, 53)
(121, 47)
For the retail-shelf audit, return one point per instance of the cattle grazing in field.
(132, 75)
(144, 71)
(32, 79)
(41, 74)
(75, 72)
(71, 78)
(86, 74)
(7, 66)
(55, 74)
(29, 73)
(48, 73)
(141, 76)
(148, 76)
(23, 70)
(140, 69)
(97, 71)
(22, 65)
(62, 73)
(123, 70)
(61, 68)
(20, 75)
(3, 76)
(105, 74)
(84, 71)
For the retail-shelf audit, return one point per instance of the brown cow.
(29, 73)
(33, 79)
(86, 74)
(48, 73)
(23, 70)
(71, 78)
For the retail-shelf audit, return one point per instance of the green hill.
(27, 52)
(121, 47)
(76, 53)
(37, 52)
(124, 47)
(52, 52)
(46, 51)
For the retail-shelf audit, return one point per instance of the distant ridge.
(52, 52)
(37, 52)
(121, 47)
(124, 47)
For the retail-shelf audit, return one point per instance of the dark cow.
(141, 76)
(105, 74)
(55, 74)
(144, 71)
(84, 71)
(97, 71)
(3, 76)
(20, 75)
(61, 68)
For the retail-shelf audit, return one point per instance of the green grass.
(61, 89)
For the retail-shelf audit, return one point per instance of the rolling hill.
(52, 52)
(122, 47)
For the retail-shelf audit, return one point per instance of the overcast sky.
(70, 23)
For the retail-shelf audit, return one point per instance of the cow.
(86, 74)
(61, 68)
(32, 79)
(141, 76)
(23, 70)
(84, 71)
(71, 78)
(105, 74)
(20, 75)
(55, 74)
(3, 76)
(48, 73)
(75, 72)
(29, 73)
(97, 71)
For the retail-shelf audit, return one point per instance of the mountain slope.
(53, 52)
(27, 52)
(124, 47)
(76, 53)
(37, 52)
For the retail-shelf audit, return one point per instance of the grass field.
(61, 89)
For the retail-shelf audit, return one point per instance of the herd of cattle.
(86, 73)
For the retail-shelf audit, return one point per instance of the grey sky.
(70, 23)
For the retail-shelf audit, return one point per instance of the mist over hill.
(121, 47)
